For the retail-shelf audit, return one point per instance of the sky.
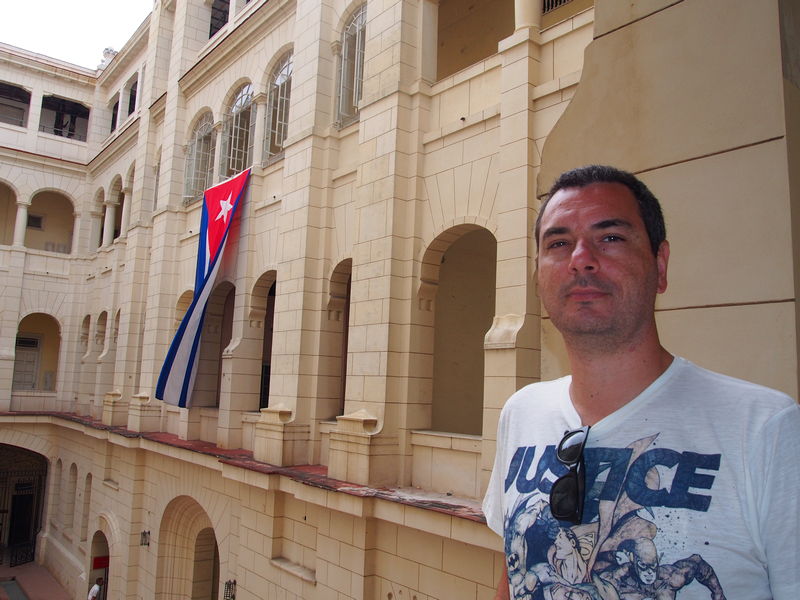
(75, 31)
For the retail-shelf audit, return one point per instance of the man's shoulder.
(726, 388)
(554, 390)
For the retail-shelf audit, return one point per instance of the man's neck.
(603, 382)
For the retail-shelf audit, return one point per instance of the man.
(94, 592)
(673, 481)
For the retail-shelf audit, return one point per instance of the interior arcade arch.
(188, 554)
(36, 353)
(455, 310)
(50, 223)
(23, 476)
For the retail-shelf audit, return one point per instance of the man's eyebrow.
(551, 231)
(609, 223)
(604, 224)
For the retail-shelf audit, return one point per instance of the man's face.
(597, 275)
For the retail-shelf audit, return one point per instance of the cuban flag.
(177, 376)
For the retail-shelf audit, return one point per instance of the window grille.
(351, 72)
(237, 135)
(276, 119)
(64, 118)
(200, 159)
(550, 5)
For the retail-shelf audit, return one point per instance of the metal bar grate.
(550, 5)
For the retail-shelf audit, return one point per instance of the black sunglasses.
(566, 495)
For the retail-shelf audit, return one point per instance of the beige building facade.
(375, 306)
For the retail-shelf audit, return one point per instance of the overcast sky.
(75, 31)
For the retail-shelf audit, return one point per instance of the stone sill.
(304, 573)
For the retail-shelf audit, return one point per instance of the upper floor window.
(132, 97)
(237, 135)
(14, 104)
(277, 115)
(114, 114)
(219, 16)
(199, 159)
(64, 118)
(351, 70)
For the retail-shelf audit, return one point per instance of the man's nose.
(583, 257)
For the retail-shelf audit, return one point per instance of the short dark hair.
(649, 207)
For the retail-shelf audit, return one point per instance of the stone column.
(429, 38)
(527, 13)
(108, 224)
(259, 106)
(126, 196)
(20, 224)
(76, 224)
(218, 128)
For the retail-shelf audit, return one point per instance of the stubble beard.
(603, 333)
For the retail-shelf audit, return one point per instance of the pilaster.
(512, 345)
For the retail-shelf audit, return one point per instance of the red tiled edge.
(313, 475)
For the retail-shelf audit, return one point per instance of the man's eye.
(613, 237)
(557, 244)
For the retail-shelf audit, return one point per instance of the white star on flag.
(224, 208)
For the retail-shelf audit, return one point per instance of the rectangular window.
(114, 114)
(64, 118)
(219, 16)
(351, 68)
(132, 97)
(35, 222)
(26, 363)
(14, 104)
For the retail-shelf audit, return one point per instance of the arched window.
(69, 499)
(351, 69)
(237, 136)
(200, 159)
(277, 116)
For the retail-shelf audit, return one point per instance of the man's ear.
(662, 262)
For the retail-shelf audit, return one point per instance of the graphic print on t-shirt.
(635, 499)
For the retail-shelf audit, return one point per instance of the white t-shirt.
(692, 492)
(94, 592)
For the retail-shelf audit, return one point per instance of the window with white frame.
(237, 137)
(200, 159)
(14, 104)
(351, 67)
(277, 114)
(114, 114)
(219, 16)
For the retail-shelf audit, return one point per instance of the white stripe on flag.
(178, 390)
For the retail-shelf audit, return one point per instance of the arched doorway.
(36, 356)
(333, 351)
(263, 311)
(217, 333)
(8, 214)
(454, 310)
(22, 484)
(50, 223)
(205, 573)
(100, 564)
(464, 311)
(188, 554)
